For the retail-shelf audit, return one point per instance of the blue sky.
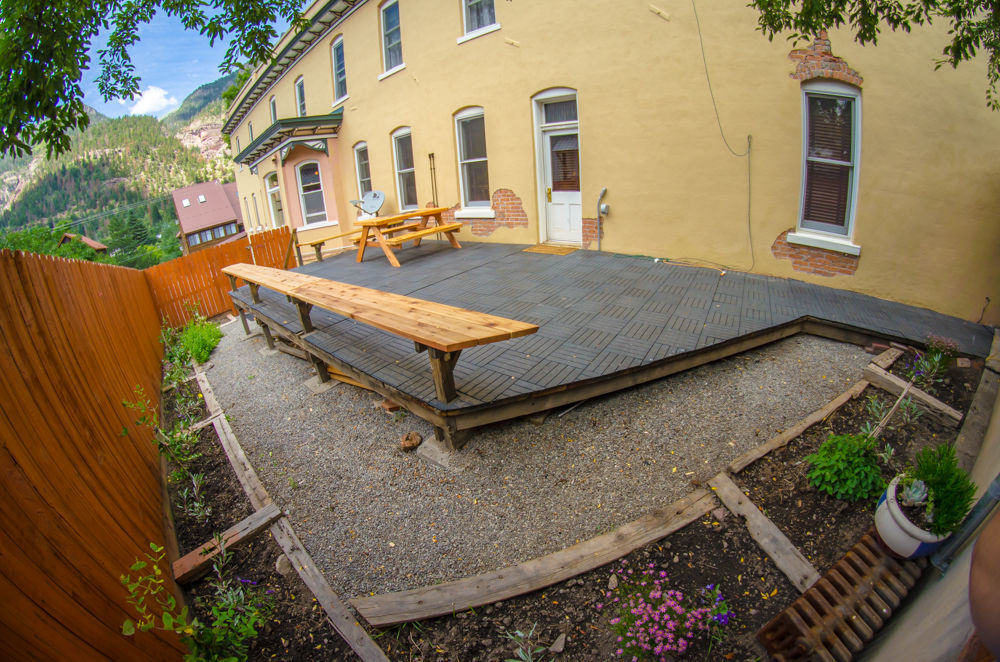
(172, 62)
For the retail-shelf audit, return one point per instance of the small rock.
(388, 405)
(677, 559)
(283, 566)
(506, 621)
(720, 513)
(613, 582)
(666, 545)
(410, 441)
(559, 644)
(963, 362)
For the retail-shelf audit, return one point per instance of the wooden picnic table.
(389, 231)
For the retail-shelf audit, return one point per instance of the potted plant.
(925, 504)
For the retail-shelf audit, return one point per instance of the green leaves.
(845, 467)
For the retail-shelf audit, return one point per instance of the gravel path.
(376, 519)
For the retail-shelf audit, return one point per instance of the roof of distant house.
(207, 205)
(69, 236)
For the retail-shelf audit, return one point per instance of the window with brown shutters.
(830, 163)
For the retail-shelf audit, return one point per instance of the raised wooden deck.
(606, 322)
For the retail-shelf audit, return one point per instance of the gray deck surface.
(598, 313)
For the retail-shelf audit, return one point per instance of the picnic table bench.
(386, 231)
(442, 331)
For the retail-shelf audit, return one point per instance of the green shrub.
(846, 467)
(949, 489)
(199, 337)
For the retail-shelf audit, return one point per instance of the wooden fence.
(78, 501)
(197, 278)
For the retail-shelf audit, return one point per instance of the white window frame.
(239, 166)
(358, 148)
(478, 32)
(302, 203)
(274, 109)
(300, 96)
(339, 41)
(815, 237)
(185, 202)
(250, 129)
(387, 70)
(398, 134)
(270, 191)
(478, 208)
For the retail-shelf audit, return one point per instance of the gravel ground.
(376, 519)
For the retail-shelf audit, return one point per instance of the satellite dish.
(370, 202)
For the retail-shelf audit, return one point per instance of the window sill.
(386, 74)
(826, 242)
(475, 212)
(469, 36)
(316, 226)
(341, 100)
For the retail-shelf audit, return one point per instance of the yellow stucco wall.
(929, 192)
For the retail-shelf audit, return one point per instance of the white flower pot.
(900, 535)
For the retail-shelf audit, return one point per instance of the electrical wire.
(725, 141)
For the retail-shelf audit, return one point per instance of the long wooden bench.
(420, 234)
(442, 331)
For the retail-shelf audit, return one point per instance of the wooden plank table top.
(443, 327)
(372, 228)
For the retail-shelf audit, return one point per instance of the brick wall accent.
(508, 209)
(590, 231)
(812, 260)
(818, 61)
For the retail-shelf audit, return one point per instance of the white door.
(563, 207)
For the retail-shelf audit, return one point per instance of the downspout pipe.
(601, 210)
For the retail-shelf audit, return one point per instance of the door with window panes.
(561, 171)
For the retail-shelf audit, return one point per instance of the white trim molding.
(830, 242)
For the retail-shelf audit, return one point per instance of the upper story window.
(300, 96)
(479, 14)
(362, 168)
(339, 71)
(250, 129)
(311, 193)
(831, 150)
(186, 202)
(392, 36)
(406, 179)
(274, 110)
(202, 198)
(470, 128)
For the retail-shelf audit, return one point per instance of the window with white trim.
(256, 210)
(339, 71)
(250, 129)
(274, 195)
(185, 202)
(311, 193)
(478, 14)
(831, 147)
(362, 168)
(274, 110)
(392, 36)
(470, 129)
(406, 178)
(300, 96)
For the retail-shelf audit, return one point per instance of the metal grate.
(834, 619)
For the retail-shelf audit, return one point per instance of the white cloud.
(152, 101)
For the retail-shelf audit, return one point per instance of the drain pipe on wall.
(602, 210)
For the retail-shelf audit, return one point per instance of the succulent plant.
(915, 493)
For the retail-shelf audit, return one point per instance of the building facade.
(207, 214)
(859, 168)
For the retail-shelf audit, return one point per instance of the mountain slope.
(197, 102)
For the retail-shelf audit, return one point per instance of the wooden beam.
(893, 384)
(321, 368)
(340, 617)
(440, 599)
(785, 436)
(267, 335)
(195, 564)
(259, 498)
(781, 550)
(887, 358)
(304, 319)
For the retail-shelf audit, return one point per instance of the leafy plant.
(199, 336)
(177, 445)
(845, 467)
(927, 369)
(949, 490)
(876, 408)
(525, 650)
(192, 503)
(152, 601)
(909, 410)
(886, 454)
(655, 621)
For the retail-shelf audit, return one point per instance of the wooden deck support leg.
(321, 368)
(254, 292)
(243, 315)
(451, 438)
(443, 371)
(298, 254)
(267, 334)
(319, 251)
(304, 318)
